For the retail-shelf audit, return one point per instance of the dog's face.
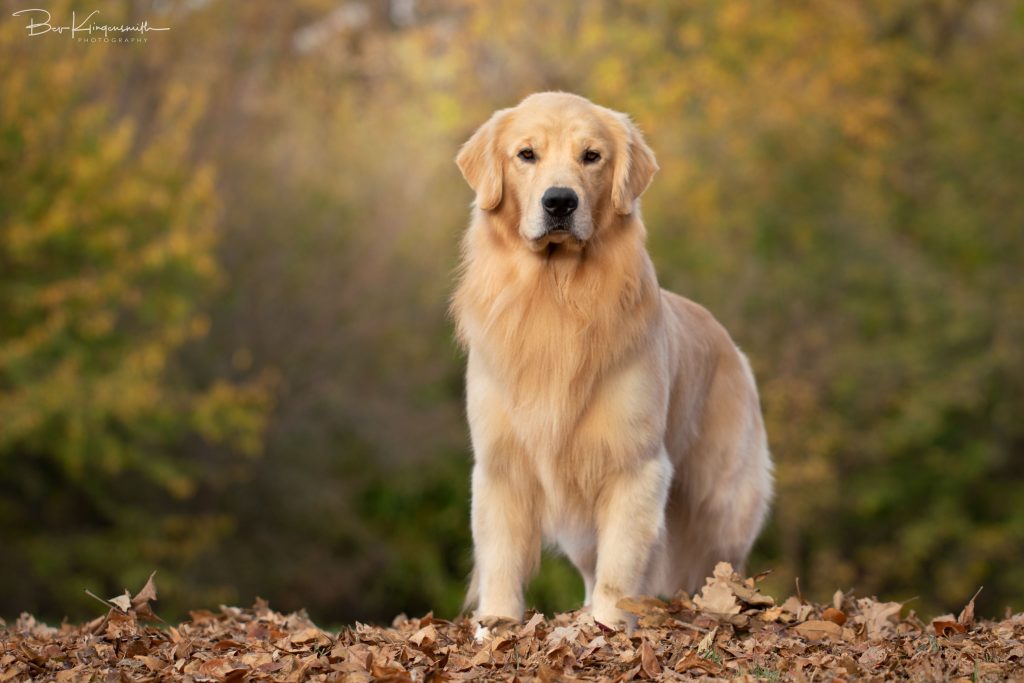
(561, 166)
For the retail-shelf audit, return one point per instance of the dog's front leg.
(506, 540)
(631, 525)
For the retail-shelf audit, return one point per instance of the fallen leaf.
(147, 594)
(717, 599)
(426, 636)
(694, 661)
(872, 657)
(530, 627)
(69, 675)
(122, 602)
(628, 675)
(723, 570)
(310, 635)
(707, 643)
(798, 610)
(944, 627)
(850, 665)
(228, 644)
(967, 614)
(152, 663)
(834, 615)
(649, 661)
(642, 605)
(816, 629)
(878, 616)
(751, 596)
(18, 668)
(258, 644)
(121, 625)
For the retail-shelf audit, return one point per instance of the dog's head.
(562, 166)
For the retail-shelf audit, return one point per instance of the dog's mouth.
(560, 238)
(558, 231)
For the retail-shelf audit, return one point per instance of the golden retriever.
(608, 417)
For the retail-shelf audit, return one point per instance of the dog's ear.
(481, 164)
(634, 166)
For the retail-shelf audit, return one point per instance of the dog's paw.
(482, 634)
(613, 620)
(488, 627)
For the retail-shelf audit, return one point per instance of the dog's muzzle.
(559, 205)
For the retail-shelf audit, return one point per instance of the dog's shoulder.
(688, 312)
(693, 328)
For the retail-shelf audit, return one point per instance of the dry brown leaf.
(259, 644)
(967, 614)
(816, 629)
(707, 643)
(530, 627)
(147, 594)
(751, 596)
(200, 616)
(649, 661)
(642, 605)
(69, 675)
(723, 570)
(944, 627)
(628, 675)
(834, 615)
(152, 663)
(878, 617)
(717, 599)
(872, 657)
(122, 602)
(121, 625)
(796, 610)
(425, 637)
(310, 635)
(693, 661)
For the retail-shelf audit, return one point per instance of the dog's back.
(716, 439)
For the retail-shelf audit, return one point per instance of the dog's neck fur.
(537, 313)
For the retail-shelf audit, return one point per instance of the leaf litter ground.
(729, 631)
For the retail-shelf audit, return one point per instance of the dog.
(608, 417)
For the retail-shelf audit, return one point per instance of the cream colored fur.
(609, 417)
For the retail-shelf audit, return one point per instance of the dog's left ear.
(480, 162)
(634, 166)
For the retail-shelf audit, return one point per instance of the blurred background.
(225, 257)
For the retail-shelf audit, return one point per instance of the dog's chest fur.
(556, 349)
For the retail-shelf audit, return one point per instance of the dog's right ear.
(481, 163)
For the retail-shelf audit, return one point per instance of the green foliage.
(839, 185)
(107, 235)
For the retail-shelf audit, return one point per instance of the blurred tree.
(107, 232)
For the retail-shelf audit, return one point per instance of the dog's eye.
(591, 156)
(527, 155)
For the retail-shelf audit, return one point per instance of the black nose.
(559, 201)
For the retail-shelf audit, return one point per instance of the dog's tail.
(472, 593)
